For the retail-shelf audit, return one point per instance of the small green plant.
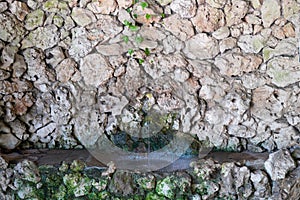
(135, 1)
(144, 5)
(163, 15)
(147, 52)
(130, 51)
(131, 26)
(125, 39)
(141, 61)
(148, 16)
(135, 15)
(139, 39)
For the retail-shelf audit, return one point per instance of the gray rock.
(34, 19)
(8, 56)
(284, 70)
(285, 47)
(122, 183)
(3, 164)
(54, 56)
(95, 70)
(201, 46)
(270, 11)
(19, 9)
(50, 6)
(3, 6)
(251, 44)
(181, 28)
(10, 28)
(279, 164)
(8, 141)
(124, 3)
(172, 44)
(185, 8)
(42, 37)
(261, 184)
(83, 17)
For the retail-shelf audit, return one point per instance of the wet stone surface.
(224, 73)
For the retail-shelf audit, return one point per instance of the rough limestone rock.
(102, 6)
(227, 43)
(270, 11)
(95, 70)
(65, 70)
(19, 9)
(261, 184)
(34, 19)
(181, 28)
(10, 28)
(268, 103)
(216, 3)
(208, 19)
(83, 17)
(234, 11)
(290, 8)
(251, 43)
(284, 70)
(164, 2)
(221, 33)
(279, 164)
(201, 46)
(235, 64)
(42, 37)
(285, 47)
(185, 8)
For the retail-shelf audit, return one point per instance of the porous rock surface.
(237, 61)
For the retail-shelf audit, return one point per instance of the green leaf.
(130, 51)
(163, 15)
(147, 52)
(125, 38)
(135, 1)
(127, 23)
(135, 15)
(144, 5)
(141, 61)
(133, 27)
(139, 39)
(148, 16)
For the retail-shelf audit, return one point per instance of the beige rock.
(9, 141)
(140, 14)
(208, 19)
(110, 49)
(290, 8)
(185, 8)
(124, 3)
(256, 4)
(235, 64)
(102, 6)
(95, 70)
(289, 30)
(164, 2)
(257, 29)
(227, 43)
(270, 11)
(252, 19)
(201, 46)
(216, 3)
(221, 33)
(82, 16)
(181, 28)
(277, 32)
(234, 11)
(65, 70)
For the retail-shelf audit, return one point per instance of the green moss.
(166, 187)
(154, 196)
